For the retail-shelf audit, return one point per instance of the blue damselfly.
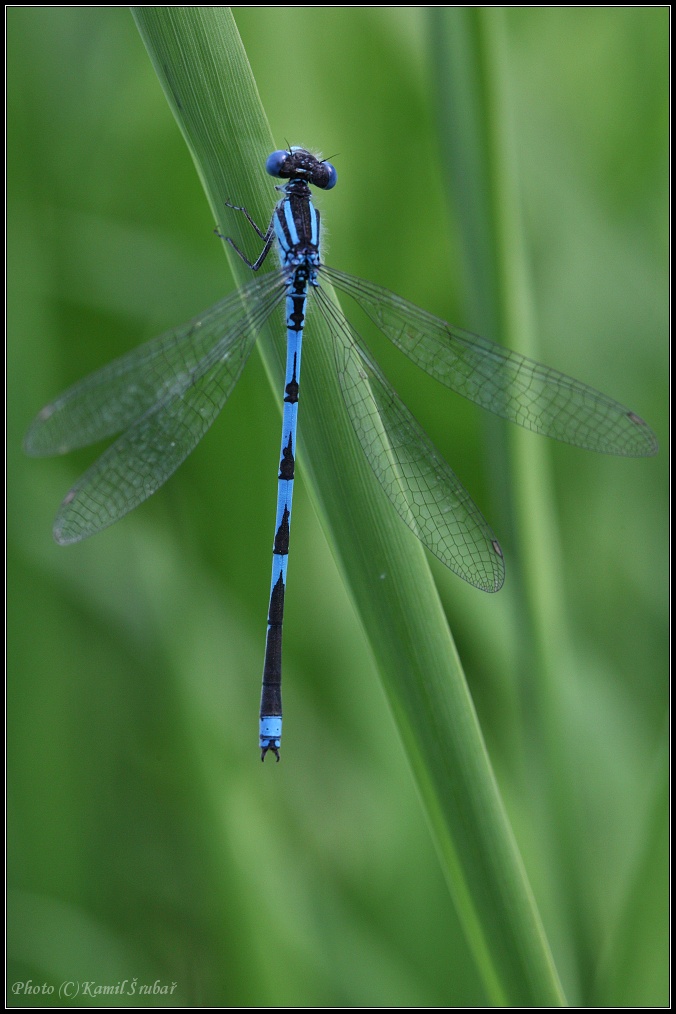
(164, 395)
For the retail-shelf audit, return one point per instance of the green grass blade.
(201, 63)
(475, 111)
(476, 128)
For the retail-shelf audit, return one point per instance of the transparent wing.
(155, 444)
(111, 399)
(419, 483)
(504, 382)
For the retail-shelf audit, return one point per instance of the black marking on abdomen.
(281, 548)
(271, 697)
(291, 389)
(296, 319)
(276, 610)
(287, 464)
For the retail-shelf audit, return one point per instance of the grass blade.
(204, 71)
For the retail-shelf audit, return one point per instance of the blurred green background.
(146, 839)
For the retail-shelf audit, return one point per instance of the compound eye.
(333, 176)
(275, 163)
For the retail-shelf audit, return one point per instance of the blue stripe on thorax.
(314, 230)
(290, 224)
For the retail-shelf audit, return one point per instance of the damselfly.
(164, 396)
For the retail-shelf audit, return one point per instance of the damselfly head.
(300, 164)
